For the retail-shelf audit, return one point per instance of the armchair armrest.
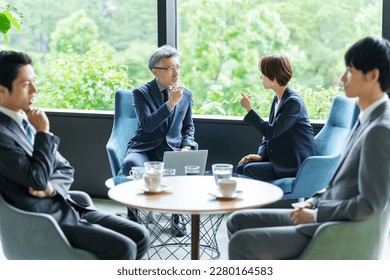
(344, 241)
(82, 198)
(350, 240)
(112, 148)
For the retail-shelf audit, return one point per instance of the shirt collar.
(365, 114)
(16, 116)
(160, 87)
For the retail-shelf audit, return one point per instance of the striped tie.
(28, 130)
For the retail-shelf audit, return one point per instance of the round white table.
(193, 195)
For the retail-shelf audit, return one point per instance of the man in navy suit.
(164, 111)
(35, 177)
(288, 135)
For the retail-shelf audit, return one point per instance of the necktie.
(165, 95)
(347, 149)
(28, 130)
(354, 132)
(165, 99)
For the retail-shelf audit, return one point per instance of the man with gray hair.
(164, 111)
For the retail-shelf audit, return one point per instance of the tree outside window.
(85, 50)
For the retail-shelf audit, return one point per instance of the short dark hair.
(371, 53)
(10, 63)
(277, 67)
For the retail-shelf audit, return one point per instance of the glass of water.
(191, 170)
(222, 171)
(169, 172)
(137, 172)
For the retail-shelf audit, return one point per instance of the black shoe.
(132, 214)
(178, 226)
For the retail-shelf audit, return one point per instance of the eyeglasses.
(170, 69)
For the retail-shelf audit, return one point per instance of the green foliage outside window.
(80, 72)
(78, 32)
(85, 50)
(222, 42)
(82, 81)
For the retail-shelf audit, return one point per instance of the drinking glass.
(191, 170)
(222, 171)
(137, 172)
(169, 172)
(153, 173)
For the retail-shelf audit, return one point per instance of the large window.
(222, 41)
(84, 50)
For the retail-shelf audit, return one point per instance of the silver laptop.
(179, 159)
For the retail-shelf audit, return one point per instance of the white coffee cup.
(227, 187)
(153, 180)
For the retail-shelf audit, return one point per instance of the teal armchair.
(124, 126)
(315, 172)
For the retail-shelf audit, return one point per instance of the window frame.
(386, 19)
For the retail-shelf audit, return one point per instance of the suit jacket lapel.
(352, 142)
(272, 111)
(286, 94)
(21, 137)
(156, 97)
(155, 94)
(349, 146)
(17, 133)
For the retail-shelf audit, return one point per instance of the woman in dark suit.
(288, 137)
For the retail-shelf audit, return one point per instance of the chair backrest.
(27, 235)
(315, 172)
(343, 115)
(124, 126)
(364, 239)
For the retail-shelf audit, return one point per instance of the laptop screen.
(180, 159)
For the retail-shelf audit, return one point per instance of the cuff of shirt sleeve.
(312, 201)
(169, 107)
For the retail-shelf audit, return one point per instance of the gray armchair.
(26, 235)
(360, 240)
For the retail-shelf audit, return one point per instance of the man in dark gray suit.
(164, 111)
(36, 178)
(360, 187)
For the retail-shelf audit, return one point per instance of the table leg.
(195, 236)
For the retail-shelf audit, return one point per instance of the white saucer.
(161, 189)
(218, 195)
